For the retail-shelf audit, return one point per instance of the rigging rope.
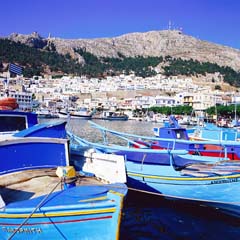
(34, 210)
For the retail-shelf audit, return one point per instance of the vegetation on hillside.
(34, 61)
(193, 67)
(141, 66)
(39, 61)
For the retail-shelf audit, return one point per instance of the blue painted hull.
(39, 146)
(31, 153)
(217, 191)
(85, 212)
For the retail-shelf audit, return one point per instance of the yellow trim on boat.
(94, 199)
(103, 198)
(185, 178)
(116, 193)
(62, 214)
(119, 218)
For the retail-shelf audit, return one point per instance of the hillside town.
(124, 92)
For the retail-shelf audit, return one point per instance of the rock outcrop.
(32, 40)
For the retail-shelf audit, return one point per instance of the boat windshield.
(12, 123)
(181, 134)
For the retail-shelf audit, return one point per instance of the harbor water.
(147, 216)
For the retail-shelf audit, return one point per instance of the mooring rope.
(34, 210)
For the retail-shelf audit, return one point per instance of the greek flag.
(15, 69)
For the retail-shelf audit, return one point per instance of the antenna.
(169, 25)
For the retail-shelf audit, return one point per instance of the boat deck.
(208, 170)
(37, 182)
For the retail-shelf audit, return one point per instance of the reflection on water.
(153, 217)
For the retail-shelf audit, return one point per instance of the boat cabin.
(171, 133)
(14, 121)
(171, 130)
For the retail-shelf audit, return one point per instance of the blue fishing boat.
(211, 131)
(33, 145)
(79, 146)
(175, 136)
(37, 206)
(34, 202)
(172, 174)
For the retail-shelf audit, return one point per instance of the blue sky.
(216, 21)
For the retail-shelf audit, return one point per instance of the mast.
(235, 110)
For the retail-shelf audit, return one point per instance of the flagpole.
(7, 83)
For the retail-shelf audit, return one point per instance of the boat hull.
(217, 191)
(116, 118)
(31, 153)
(85, 212)
(226, 150)
(80, 117)
(70, 115)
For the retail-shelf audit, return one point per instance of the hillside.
(169, 51)
(155, 43)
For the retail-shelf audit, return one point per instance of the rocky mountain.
(32, 40)
(154, 43)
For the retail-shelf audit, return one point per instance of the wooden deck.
(207, 170)
(33, 183)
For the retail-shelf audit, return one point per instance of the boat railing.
(126, 136)
(121, 136)
(114, 148)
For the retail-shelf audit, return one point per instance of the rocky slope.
(153, 43)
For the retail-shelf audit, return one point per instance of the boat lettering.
(21, 230)
(224, 181)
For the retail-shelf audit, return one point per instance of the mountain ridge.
(153, 43)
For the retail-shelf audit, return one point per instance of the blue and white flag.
(15, 69)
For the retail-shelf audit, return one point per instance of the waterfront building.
(24, 99)
(165, 101)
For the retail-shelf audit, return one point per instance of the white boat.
(81, 113)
